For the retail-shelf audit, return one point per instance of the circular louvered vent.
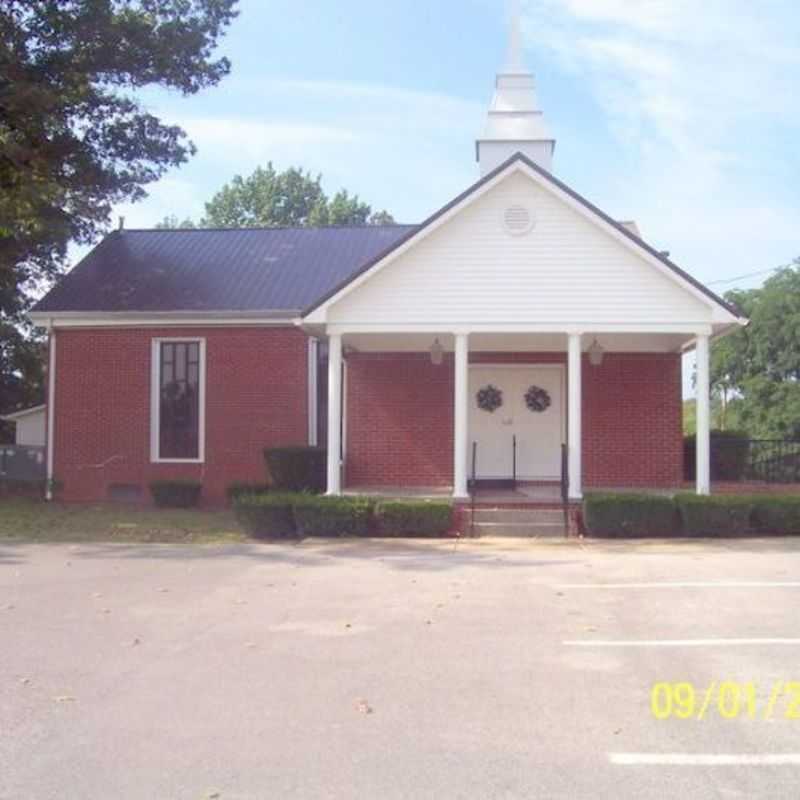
(518, 220)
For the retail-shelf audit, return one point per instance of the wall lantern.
(596, 353)
(437, 353)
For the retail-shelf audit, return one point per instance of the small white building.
(30, 425)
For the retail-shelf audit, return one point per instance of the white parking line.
(686, 585)
(676, 642)
(705, 760)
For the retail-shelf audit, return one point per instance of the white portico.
(519, 284)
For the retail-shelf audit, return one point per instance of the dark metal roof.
(412, 232)
(259, 269)
(252, 269)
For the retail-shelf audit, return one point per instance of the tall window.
(179, 400)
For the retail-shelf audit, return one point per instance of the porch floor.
(541, 494)
(522, 495)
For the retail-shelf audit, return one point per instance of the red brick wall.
(400, 420)
(399, 412)
(256, 395)
(632, 421)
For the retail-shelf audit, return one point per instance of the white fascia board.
(588, 327)
(15, 415)
(320, 314)
(128, 319)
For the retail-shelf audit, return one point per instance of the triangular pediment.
(521, 248)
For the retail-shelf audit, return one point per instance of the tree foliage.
(74, 140)
(172, 221)
(755, 372)
(22, 376)
(292, 198)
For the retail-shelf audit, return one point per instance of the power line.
(743, 277)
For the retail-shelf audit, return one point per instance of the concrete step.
(530, 516)
(521, 529)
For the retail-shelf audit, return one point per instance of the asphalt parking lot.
(489, 669)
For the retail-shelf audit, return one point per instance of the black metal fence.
(22, 463)
(735, 459)
(773, 461)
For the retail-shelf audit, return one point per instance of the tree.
(292, 198)
(755, 372)
(171, 221)
(74, 140)
(22, 379)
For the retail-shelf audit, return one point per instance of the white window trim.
(155, 415)
(313, 372)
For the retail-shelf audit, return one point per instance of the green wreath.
(489, 398)
(537, 399)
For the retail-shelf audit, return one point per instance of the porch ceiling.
(517, 342)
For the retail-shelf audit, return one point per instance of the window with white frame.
(178, 400)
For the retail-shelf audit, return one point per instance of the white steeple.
(514, 123)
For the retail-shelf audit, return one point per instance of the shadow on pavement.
(435, 556)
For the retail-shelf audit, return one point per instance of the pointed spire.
(515, 122)
(514, 61)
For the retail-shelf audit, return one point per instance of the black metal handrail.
(472, 489)
(514, 461)
(565, 484)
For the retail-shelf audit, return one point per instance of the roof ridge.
(365, 226)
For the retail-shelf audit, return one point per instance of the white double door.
(538, 434)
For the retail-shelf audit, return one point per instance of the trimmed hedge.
(285, 514)
(730, 451)
(296, 469)
(777, 515)
(240, 488)
(176, 493)
(333, 516)
(719, 515)
(266, 516)
(630, 515)
(427, 518)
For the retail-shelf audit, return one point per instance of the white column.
(575, 393)
(334, 413)
(703, 410)
(460, 414)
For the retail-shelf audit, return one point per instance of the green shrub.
(730, 452)
(240, 488)
(718, 515)
(630, 515)
(777, 515)
(415, 517)
(333, 516)
(266, 516)
(176, 493)
(296, 469)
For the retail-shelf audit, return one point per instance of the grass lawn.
(28, 520)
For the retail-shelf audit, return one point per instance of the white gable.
(570, 268)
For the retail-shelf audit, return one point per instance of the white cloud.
(393, 146)
(696, 92)
(246, 139)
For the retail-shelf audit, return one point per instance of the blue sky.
(681, 115)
